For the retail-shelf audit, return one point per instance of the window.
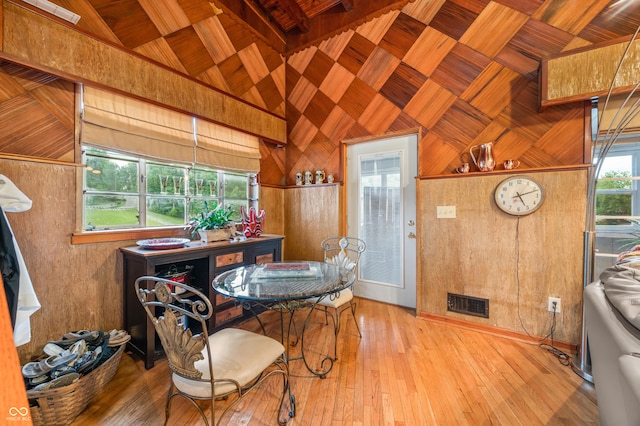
(124, 191)
(618, 201)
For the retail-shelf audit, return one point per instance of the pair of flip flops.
(43, 367)
(118, 337)
(92, 338)
(58, 382)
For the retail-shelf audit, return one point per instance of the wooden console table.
(205, 261)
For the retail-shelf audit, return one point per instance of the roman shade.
(619, 112)
(115, 122)
(221, 145)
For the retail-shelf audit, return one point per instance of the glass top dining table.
(283, 281)
(286, 287)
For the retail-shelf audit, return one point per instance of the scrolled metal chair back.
(176, 309)
(343, 251)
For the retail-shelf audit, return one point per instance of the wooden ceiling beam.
(295, 12)
(335, 21)
(256, 20)
(347, 4)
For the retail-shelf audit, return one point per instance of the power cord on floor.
(562, 357)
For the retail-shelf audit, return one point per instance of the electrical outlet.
(550, 305)
(445, 212)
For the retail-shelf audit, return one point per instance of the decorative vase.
(252, 222)
(211, 235)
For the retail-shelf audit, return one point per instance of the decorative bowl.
(163, 243)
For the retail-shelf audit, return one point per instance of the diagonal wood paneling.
(477, 63)
(48, 102)
(193, 37)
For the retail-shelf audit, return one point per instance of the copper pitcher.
(484, 161)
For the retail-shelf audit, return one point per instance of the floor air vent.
(468, 305)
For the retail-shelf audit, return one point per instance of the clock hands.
(530, 192)
(519, 195)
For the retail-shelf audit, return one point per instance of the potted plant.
(213, 225)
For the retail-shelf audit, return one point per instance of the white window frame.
(143, 195)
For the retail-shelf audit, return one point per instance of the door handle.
(412, 235)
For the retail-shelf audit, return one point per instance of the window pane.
(197, 205)
(106, 211)
(615, 166)
(113, 175)
(203, 183)
(235, 186)
(613, 205)
(172, 193)
(380, 219)
(165, 211)
(165, 179)
(235, 205)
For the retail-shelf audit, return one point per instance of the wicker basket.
(60, 406)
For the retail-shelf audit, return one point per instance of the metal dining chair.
(209, 367)
(344, 252)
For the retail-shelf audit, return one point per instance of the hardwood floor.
(403, 371)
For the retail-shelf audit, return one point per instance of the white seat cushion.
(331, 301)
(238, 355)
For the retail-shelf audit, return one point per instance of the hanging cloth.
(14, 200)
(10, 268)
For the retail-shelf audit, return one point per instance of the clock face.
(519, 195)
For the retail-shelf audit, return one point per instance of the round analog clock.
(519, 195)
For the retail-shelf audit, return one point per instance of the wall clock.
(519, 195)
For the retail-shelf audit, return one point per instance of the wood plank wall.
(78, 286)
(516, 263)
(311, 215)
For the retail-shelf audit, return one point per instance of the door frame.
(419, 132)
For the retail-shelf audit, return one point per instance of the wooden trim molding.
(506, 172)
(35, 41)
(587, 72)
(17, 157)
(126, 235)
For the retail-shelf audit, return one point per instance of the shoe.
(56, 361)
(34, 369)
(67, 369)
(37, 380)
(118, 337)
(79, 348)
(52, 349)
(90, 337)
(61, 381)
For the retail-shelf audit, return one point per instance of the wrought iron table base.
(291, 306)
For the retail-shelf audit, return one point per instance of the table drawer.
(264, 258)
(221, 298)
(228, 314)
(229, 259)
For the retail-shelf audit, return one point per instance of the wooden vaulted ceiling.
(290, 25)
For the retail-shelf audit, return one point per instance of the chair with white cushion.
(345, 252)
(228, 363)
